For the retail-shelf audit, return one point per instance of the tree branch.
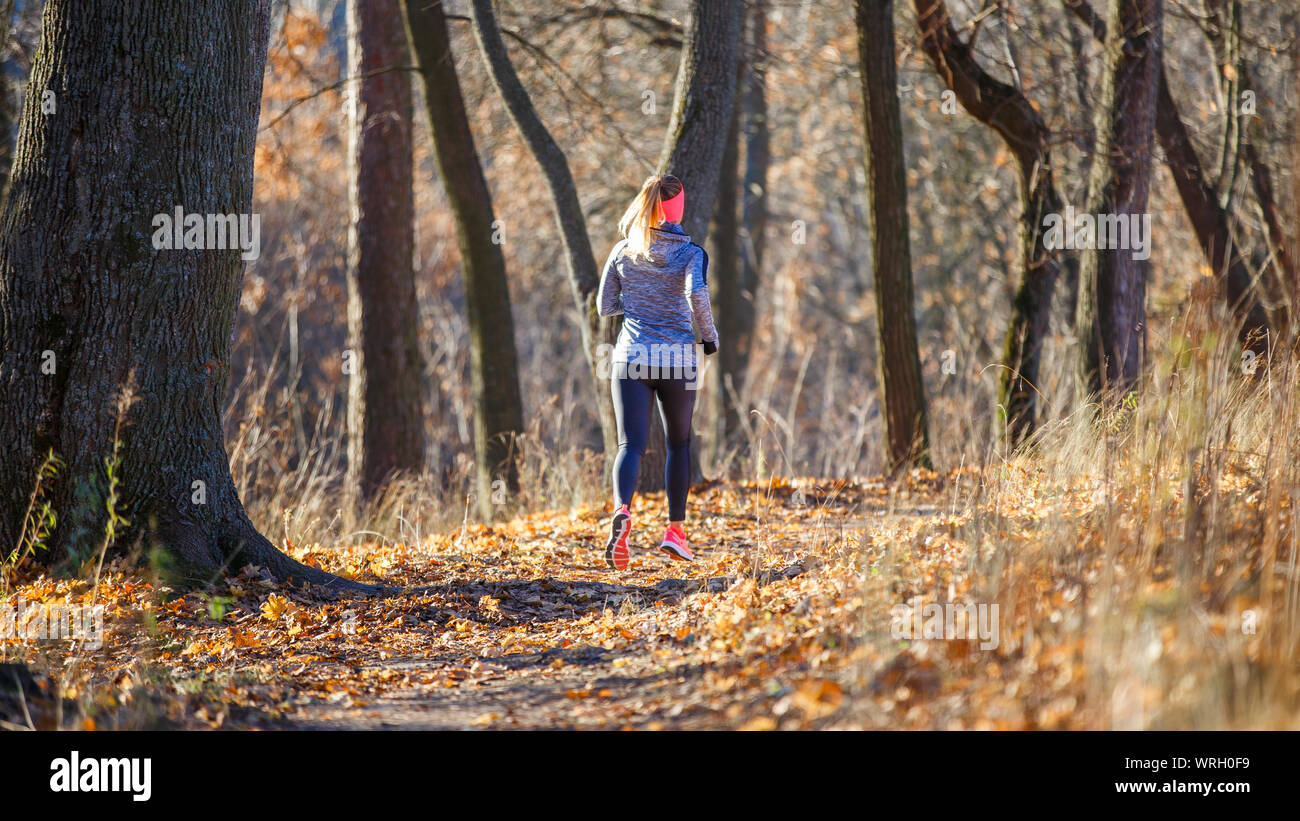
(331, 87)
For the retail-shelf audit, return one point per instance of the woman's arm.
(697, 293)
(609, 301)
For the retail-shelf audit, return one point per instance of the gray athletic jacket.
(658, 296)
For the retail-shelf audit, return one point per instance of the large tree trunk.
(494, 370)
(1009, 112)
(902, 394)
(694, 149)
(385, 411)
(1111, 316)
(598, 333)
(702, 108)
(1209, 221)
(157, 108)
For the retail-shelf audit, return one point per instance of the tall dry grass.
(1143, 551)
(290, 472)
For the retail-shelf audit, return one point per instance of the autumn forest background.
(397, 420)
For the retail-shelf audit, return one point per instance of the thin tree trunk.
(1224, 34)
(7, 93)
(752, 113)
(1009, 112)
(1111, 317)
(157, 108)
(385, 411)
(598, 333)
(494, 370)
(902, 393)
(1294, 244)
(1209, 221)
(1225, 16)
(1287, 276)
(724, 275)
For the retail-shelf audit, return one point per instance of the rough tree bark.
(694, 149)
(157, 106)
(1110, 320)
(598, 333)
(494, 369)
(738, 289)
(702, 108)
(385, 411)
(1199, 199)
(1009, 112)
(902, 393)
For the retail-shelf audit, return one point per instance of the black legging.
(632, 399)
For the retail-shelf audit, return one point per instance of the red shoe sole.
(671, 552)
(616, 552)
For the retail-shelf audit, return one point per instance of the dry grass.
(1143, 559)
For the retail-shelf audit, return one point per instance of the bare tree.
(1110, 318)
(584, 279)
(1222, 27)
(740, 220)
(494, 369)
(385, 411)
(1209, 221)
(1007, 110)
(700, 135)
(702, 107)
(902, 393)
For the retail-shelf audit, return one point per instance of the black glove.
(710, 348)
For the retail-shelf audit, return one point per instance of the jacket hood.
(667, 241)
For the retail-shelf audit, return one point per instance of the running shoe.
(616, 552)
(674, 544)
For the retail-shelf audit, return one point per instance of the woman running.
(655, 277)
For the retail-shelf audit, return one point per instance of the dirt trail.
(566, 685)
(521, 625)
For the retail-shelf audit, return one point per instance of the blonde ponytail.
(646, 212)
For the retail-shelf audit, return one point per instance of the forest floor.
(782, 622)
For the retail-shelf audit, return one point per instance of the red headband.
(673, 206)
